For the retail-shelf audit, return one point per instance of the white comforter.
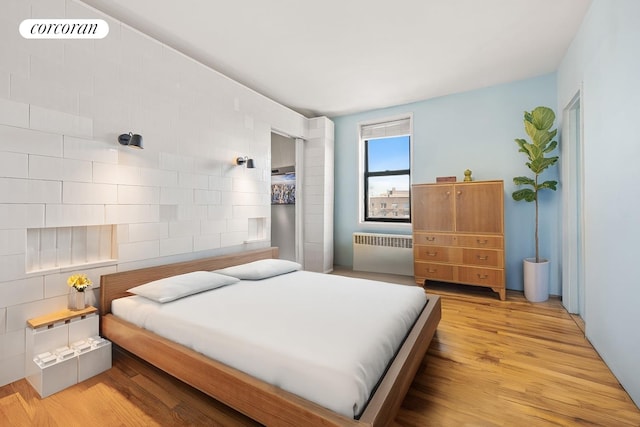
(323, 337)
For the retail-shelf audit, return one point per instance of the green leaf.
(520, 142)
(541, 138)
(531, 130)
(538, 165)
(525, 194)
(551, 147)
(543, 117)
(524, 180)
(551, 185)
(528, 117)
(535, 152)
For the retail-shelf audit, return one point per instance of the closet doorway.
(573, 280)
(284, 197)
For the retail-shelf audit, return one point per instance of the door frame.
(573, 236)
(299, 210)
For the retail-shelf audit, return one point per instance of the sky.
(388, 154)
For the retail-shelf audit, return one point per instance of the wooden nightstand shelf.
(64, 348)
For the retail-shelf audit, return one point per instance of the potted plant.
(537, 125)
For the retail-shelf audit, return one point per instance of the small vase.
(77, 301)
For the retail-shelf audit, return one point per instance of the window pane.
(389, 197)
(387, 154)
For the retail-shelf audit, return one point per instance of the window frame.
(363, 174)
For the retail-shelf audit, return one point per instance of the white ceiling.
(336, 57)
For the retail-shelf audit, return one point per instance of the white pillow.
(261, 269)
(182, 285)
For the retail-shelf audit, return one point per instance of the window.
(386, 170)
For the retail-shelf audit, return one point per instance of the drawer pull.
(432, 253)
(483, 276)
(483, 258)
(430, 239)
(482, 242)
(432, 270)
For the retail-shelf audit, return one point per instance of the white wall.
(604, 59)
(318, 195)
(62, 106)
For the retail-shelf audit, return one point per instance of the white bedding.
(323, 337)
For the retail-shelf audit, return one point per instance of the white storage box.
(94, 359)
(64, 348)
(53, 375)
(83, 328)
(45, 339)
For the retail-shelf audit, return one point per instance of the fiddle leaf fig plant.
(537, 125)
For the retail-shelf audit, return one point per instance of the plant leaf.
(551, 147)
(525, 194)
(523, 180)
(538, 165)
(520, 142)
(543, 117)
(541, 138)
(551, 185)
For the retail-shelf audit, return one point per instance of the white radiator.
(383, 253)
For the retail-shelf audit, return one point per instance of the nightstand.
(64, 348)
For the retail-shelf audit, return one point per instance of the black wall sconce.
(245, 160)
(131, 139)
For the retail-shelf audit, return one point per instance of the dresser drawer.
(433, 239)
(481, 276)
(433, 271)
(488, 242)
(483, 257)
(433, 253)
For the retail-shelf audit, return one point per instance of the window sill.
(385, 225)
(69, 268)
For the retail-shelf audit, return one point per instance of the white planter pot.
(536, 279)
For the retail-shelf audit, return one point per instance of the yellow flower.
(79, 281)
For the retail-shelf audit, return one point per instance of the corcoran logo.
(64, 29)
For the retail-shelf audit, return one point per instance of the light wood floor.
(491, 363)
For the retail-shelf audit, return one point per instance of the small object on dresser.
(467, 176)
(446, 179)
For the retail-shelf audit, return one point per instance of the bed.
(266, 403)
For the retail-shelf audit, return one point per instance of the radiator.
(383, 253)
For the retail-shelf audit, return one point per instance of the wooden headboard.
(115, 285)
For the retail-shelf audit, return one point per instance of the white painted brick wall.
(318, 196)
(62, 106)
(14, 165)
(14, 113)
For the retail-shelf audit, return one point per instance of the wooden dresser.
(458, 233)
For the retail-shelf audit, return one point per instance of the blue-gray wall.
(472, 130)
(604, 59)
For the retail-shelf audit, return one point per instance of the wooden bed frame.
(261, 401)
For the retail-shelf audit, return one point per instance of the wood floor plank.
(13, 409)
(491, 363)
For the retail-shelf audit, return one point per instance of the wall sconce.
(245, 160)
(131, 139)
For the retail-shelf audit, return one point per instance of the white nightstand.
(64, 348)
